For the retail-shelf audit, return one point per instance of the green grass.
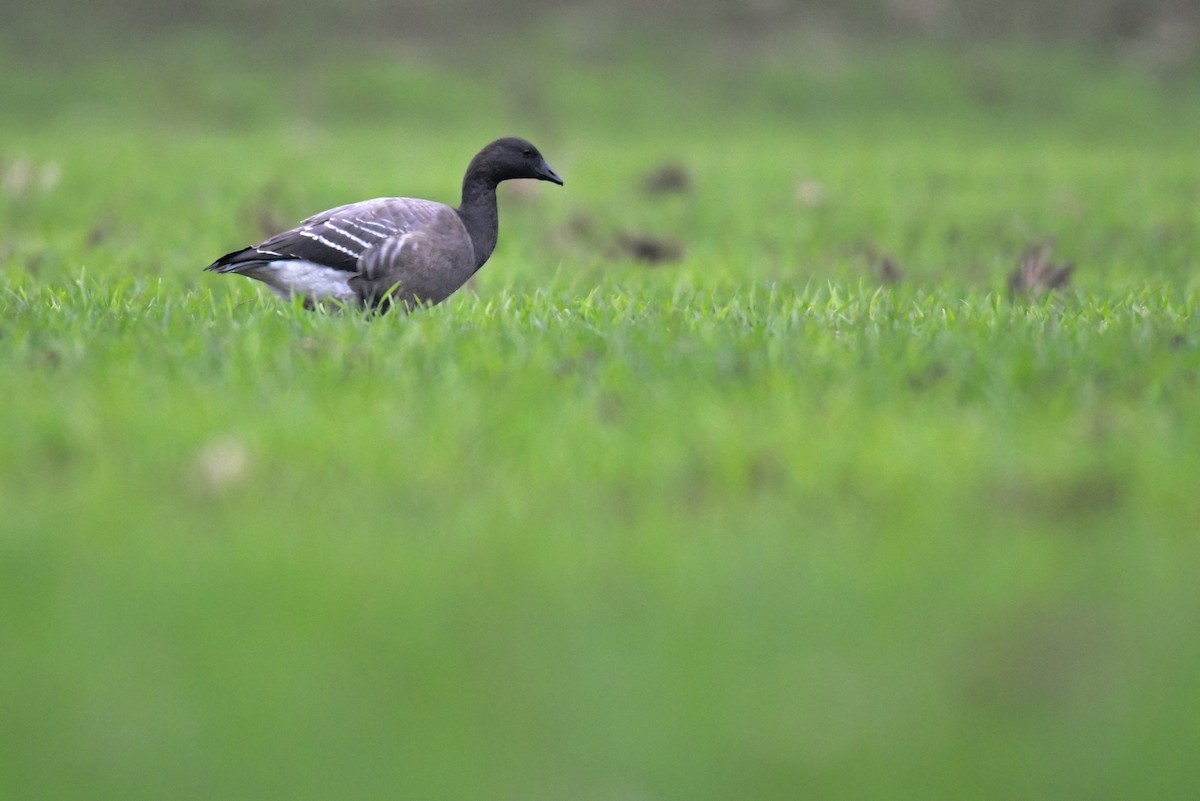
(745, 526)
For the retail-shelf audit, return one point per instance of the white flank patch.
(294, 277)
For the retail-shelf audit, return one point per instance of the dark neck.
(479, 214)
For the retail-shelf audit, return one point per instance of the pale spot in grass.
(23, 176)
(222, 463)
(15, 177)
(49, 176)
(810, 194)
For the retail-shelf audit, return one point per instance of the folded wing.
(338, 238)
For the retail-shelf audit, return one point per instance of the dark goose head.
(501, 160)
(511, 157)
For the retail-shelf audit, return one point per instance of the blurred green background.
(1078, 21)
(739, 472)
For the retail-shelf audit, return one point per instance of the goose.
(377, 253)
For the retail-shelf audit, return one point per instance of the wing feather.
(339, 237)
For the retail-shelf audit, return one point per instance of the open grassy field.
(750, 524)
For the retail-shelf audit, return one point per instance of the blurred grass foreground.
(832, 433)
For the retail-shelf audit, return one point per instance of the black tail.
(232, 262)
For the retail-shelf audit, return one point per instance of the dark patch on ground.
(101, 231)
(1037, 658)
(1062, 498)
(668, 179)
(583, 364)
(767, 471)
(927, 377)
(646, 248)
(889, 271)
(579, 231)
(1036, 274)
(610, 408)
(49, 357)
(34, 262)
(884, 266)
(581, 226)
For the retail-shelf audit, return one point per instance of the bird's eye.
(528, 152)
